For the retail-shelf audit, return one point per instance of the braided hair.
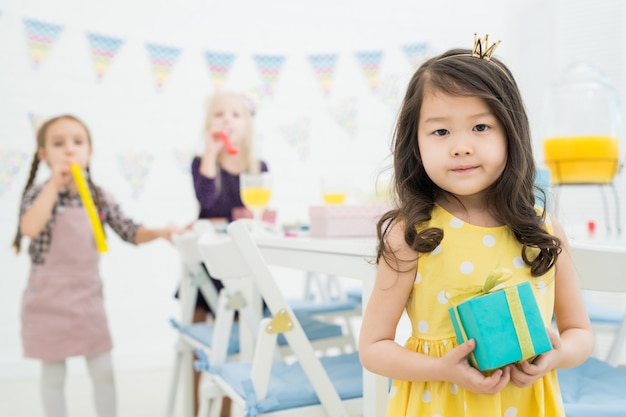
(41, 141)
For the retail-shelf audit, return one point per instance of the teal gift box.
(506, 325)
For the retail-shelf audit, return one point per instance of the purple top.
(212, 204)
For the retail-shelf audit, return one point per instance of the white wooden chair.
(326, 298)
(191, 335)
(596, 388)
(202, 336)
(265, 385)
(603, 268)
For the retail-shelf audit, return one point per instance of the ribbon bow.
(252, 408)
(495, 278)
(248, 389)
(202, 363)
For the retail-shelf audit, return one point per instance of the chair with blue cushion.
(264, 383)
(603, 319)
(593, 389)
(194, 336)
(193, 279)
(596, 388)
(325, 298)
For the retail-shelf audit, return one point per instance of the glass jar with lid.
(581, 127)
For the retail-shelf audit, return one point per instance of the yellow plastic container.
(585, 159)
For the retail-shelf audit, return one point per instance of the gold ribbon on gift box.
(495, 278)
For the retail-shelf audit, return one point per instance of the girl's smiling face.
(462, 144)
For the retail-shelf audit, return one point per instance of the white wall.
(301, 133)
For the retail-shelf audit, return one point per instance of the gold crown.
(482, 49)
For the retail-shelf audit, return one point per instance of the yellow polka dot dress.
(465, 257)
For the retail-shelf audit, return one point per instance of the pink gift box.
(345, 220)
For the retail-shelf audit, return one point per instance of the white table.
(345, 257)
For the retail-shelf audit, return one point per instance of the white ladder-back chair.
(603, 268)
(265, 385)
(325, 298)
(194, 336)
(596, 388)
(193, 279)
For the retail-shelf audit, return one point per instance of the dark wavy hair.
(511, 197)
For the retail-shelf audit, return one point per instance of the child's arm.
(379, 353)
(208, 160)
(144, 234)
(574, 342)
(38, 214)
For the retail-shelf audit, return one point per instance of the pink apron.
(62, 306)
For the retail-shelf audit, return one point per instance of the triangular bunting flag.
(344, 112)
(370, 63)
(390, 91)
(11, 161)
(103, 51)
(298, 134)
(324, 68)
(135, 167)
(162, 59)
(253, 97)
(415, 53)
(219, 66)
(36, 120)
(40, 36)
(183, 159)
(269, 67)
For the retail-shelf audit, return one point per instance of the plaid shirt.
(111, 214)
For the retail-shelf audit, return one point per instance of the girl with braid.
(62, 306)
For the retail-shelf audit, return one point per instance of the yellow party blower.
(90, 207)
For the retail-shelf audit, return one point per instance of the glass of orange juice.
(334, 189)
(256, 192)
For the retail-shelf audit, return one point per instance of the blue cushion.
(203, 334)
(594, 388)
(601, 314)
(313, 328)
(289, 387)
(318, 307)
(355, 294)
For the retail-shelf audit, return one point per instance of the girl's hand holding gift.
(525, 373)
(457, 369)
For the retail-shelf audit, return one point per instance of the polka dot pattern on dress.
(510, 412)
(443, 296)
(456, 223)
(489, 241)
(541, 286)
(518, 262)
(467, 267)
(476, 250)
(423, 326)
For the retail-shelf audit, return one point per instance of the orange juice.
(256, 197)
(334, 198)
(584, 159)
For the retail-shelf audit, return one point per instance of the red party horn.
(223, 136)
